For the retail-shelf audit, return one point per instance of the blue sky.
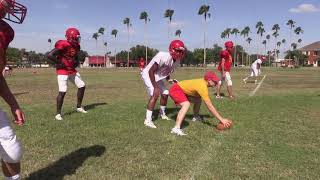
(50, 18)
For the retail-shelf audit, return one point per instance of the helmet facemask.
(15, 12)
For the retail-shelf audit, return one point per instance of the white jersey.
(165, 63)
(255, 63)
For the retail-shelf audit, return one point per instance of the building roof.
(311, 47)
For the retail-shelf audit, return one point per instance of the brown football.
(221, 127)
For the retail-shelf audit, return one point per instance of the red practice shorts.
(177, 94)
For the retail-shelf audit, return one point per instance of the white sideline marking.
(256, 89)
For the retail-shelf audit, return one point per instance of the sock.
(15, 177)
(149, 115)
(177, 127)
(162, 110)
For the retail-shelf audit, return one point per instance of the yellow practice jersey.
(195, 88)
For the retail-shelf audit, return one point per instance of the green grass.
(275, 134)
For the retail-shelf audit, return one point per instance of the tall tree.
(50, 43)
(204, 10)
(264, 42)
(106, 45)
(96, 36)
(126, 21)
(168, 14)
(245, 33)
(249, 42)
(178, 33)
(291, 25)
(235, 32)
(260, 31)
(145, 17)
(114, 33)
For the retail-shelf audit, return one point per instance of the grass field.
(276, 133)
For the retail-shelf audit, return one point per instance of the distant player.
(7, 71)
(255, 69)
(142, 63)
(160, 68)
(194, 91)
(225, 69)
(65, 56)
(10, 148)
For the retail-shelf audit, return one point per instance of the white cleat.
(164, 117)
(197, 118)
(58, 117)
(219, 97)
(149, 124)
(177, 131)
(81, 110)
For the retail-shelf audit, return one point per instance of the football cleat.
(58, 117)
(164, 117)
(178, 132)
(81, 110)
(149, 124)
(197, 118)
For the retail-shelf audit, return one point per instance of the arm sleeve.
(157, 59)
(60, 45)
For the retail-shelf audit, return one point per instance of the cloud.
(305, 8)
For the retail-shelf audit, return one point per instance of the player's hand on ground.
(18, 116)
(226, 122)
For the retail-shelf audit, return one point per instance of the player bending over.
(194, 91)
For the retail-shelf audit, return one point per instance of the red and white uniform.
(255, 71)
(166, 66)
(10, 147)
(227, 67)
(69, 53)
(142, 64)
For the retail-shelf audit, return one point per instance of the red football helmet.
(177, 49)
(73, 35)
(14, 11)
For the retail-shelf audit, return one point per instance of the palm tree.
(168, 14)
(228, 32)
(245, 33)
(235, 32)
(278, 43)
(178, 33)
(294, 46)
(264, 42)
(101, 30)
(126, 21)
(144, 16)
(50, 43)
(204, 10)
(114, 33)
(223, 35)
(96, 36)
(249, 41)
(260, 31)
(106, 45)
(299, 41)
(291, 24)
(298, 30)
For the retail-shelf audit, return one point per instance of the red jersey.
(6, 34)
(141, 64)
(69, 53)
(227, 61)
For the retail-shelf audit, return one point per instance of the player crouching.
(194, 91)
(255, 69)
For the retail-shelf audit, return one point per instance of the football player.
(255, 69)
(142, 63)
(194, 91)
(225, 67)
(10, 147)
(65, 56)
(160, 68)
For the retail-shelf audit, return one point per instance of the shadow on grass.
(68, 164)
(87, 107)
(21, 93)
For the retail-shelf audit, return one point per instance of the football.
(221, 127)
